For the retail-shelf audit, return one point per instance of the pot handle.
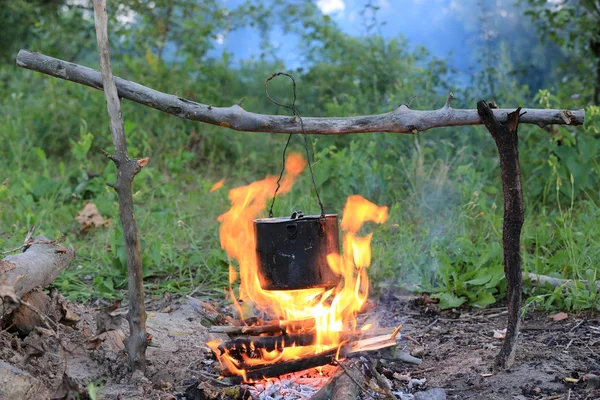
(297, 214)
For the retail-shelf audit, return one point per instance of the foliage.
(443, 187)
(573, 25)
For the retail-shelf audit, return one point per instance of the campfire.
(283, 331)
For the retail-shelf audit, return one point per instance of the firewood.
(37, 266)
(270, 343)
(263, 371)
(342, 385)
(268, 327)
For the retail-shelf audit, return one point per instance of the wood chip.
(559, 316)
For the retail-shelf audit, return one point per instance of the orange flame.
(333, 310)
(217, 185)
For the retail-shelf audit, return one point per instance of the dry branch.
(38, 266)
(401, 120)
(127, 169)
(557, 282)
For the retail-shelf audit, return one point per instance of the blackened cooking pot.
(292, 252)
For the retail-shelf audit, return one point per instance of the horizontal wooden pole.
(400, 120)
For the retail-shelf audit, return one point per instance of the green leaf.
(482, 280)
(449, 300)
(484, 299)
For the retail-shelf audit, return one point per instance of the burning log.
(263, 371)
(276, 326)
(279, 342)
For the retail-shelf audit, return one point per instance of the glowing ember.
(333, 310)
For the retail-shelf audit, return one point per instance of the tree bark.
(38, 266)
(127, 169)
(401, 120)
(595, 46)
(506, 139)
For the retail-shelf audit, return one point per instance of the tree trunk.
(595, 47)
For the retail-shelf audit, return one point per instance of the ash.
(299, 385)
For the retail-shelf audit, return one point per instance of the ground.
(457, 349)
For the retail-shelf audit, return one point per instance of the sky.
(439, 25)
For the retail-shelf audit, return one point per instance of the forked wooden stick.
(127, 169)
(506, 138)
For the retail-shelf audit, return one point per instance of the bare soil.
(457, 349)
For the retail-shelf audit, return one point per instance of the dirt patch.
(457, 350)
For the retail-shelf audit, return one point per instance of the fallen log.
(37, 266)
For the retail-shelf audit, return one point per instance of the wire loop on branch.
(296, 115)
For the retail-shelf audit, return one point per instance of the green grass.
(443, 189)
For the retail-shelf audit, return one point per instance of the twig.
(31, 243)
(381, 380)
(422, 371)
(435, 321)
(407, 358)
(411, 339)
(29, 234)
(577, 325)
(42, 316)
